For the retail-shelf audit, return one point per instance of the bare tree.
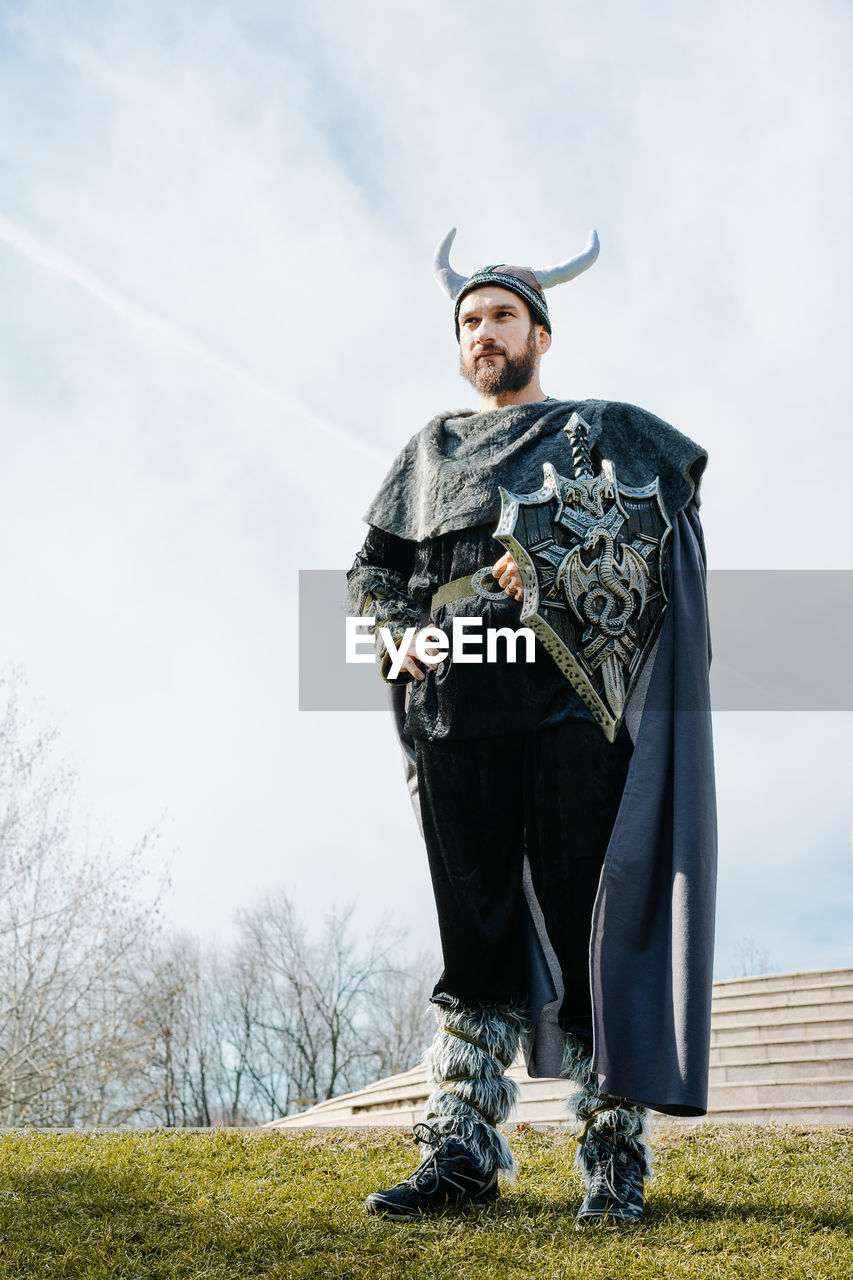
(325, 1014)
(213, 1039)
(282, 1018)
(105, 1021)
(750, 959)
(401, 1023)
(73, 924)
(171, 1088)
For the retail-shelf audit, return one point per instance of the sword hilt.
(577, 430)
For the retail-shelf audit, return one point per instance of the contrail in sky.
(44, 256)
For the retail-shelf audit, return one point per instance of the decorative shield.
(591, 553)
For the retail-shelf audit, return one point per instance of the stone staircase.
(782, 1048)
(781, 1053)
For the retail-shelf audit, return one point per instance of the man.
(573, 869)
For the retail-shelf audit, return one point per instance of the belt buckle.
(480, 589)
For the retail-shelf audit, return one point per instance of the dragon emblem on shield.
(591, 553)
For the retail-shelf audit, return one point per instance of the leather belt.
(482, 583)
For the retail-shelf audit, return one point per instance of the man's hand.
(411, 663)
(508, 575)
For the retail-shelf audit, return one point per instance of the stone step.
(409, 1098)
(779, 1113)
(550, 1111)
(796, 1078)
(380, 1087)
(750, 1102)
(778, 1015)
(543, 1101)
(790, 1068)
(783, 982)
(393, 1095)
(534, 1092)
(757, 1002)
(805, 1029)
(809, 1091)
(776, 1050)
(400, 1117)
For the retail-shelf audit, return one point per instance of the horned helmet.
(527, 282)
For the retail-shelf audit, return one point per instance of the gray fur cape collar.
(444, 479)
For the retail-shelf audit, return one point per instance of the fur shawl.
(444, 479)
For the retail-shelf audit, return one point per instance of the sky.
(219, 326)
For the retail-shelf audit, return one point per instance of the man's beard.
(511, 373)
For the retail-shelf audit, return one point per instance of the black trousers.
(554, 792)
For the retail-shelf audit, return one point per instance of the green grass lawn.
(725, 1202)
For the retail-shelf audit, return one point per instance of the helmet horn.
(563, 271)
(450, 280)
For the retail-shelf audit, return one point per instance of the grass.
(726, 1202)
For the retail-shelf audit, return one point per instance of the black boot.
(466, 1064)
(614, 1173)
(613, 1152)
(447, 1178)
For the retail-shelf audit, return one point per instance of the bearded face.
(499, 343)
(492, 368)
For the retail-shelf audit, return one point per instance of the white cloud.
(237, 208)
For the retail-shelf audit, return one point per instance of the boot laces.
(604, 1176)
(427, 1174)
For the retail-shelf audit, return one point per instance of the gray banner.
(782, 641)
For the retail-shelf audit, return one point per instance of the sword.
(577, 429)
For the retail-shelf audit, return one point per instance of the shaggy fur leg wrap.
(624, 1122)
(466, 1063)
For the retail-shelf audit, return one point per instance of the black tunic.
(460, 701)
